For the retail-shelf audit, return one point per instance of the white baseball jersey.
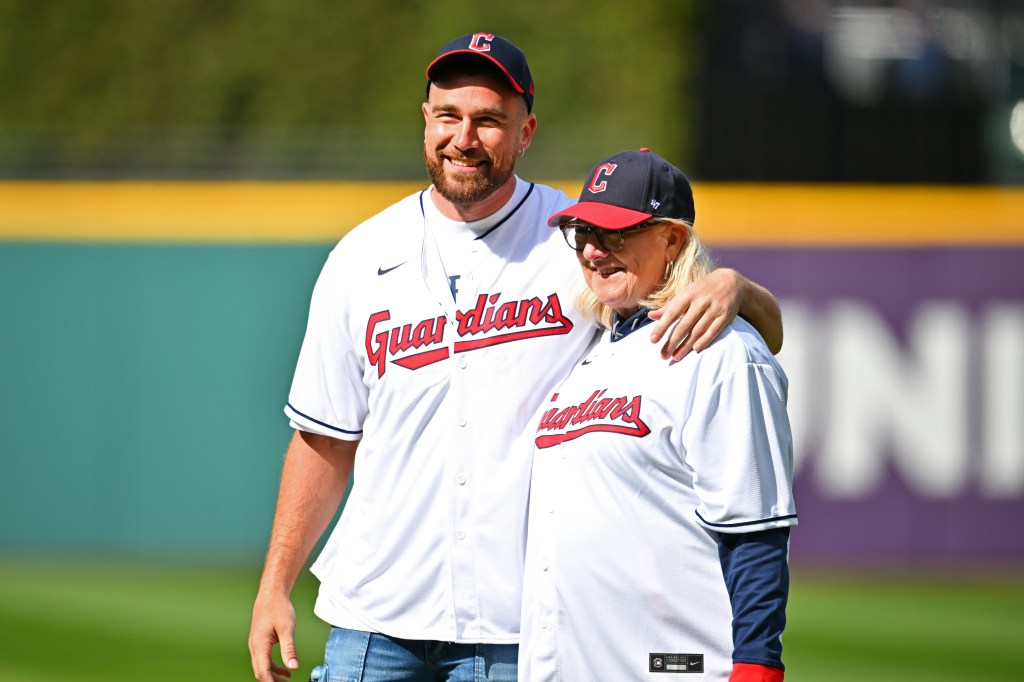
(438, 366)
(638, 464)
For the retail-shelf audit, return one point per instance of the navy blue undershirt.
(756, 574)
(624, 326)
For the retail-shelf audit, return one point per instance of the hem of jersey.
(332, 608)
(328, 609)
(300, 416)
(759, 524)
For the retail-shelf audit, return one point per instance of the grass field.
(114, 621)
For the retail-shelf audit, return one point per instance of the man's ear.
(526, 135)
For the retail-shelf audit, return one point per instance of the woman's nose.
(593, 249)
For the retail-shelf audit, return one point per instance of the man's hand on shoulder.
(698, 314)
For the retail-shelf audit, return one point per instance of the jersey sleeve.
(739, 444)
(328, 395)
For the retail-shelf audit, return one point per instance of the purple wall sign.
(906, 372)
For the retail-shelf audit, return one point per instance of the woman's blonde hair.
(693, 262)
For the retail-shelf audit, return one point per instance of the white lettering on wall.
(1002, 401)
(800, 356)
(865, 401)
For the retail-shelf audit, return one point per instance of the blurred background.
(173, 174)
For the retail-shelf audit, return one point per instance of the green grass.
(905, 627)
(112, 621)
(61, 622)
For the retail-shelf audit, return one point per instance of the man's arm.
(705, 307)
(316, 471)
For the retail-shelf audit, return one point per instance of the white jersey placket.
(551, 467)
(459, 465)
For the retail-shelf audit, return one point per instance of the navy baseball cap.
(509, 59)
(628, 188)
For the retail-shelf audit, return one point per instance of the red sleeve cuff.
(751, 672)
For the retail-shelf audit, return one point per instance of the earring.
(521, 152)
(668, 268)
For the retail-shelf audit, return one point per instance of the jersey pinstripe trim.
(323, 424)
(511, 213)
(500, 222)
(743, 524)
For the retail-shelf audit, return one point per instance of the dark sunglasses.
(577, 234)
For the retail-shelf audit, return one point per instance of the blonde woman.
(661, 497)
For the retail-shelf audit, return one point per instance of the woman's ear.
(675, 239)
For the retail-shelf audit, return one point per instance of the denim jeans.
(355, 656)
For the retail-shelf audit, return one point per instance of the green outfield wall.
(148, 333)
(143, 387)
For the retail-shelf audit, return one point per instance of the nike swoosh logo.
(586, 362)
(384, 271)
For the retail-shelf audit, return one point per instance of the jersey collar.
(624, 326)
(485, 226)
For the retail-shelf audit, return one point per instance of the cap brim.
(512, 81)
(605, 216)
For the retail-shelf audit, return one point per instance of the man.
(436, 330)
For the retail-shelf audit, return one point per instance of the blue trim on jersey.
(317, 421)
(742, 523)
(756, 574)
(497, 224)
(624, 326)
(511, 213)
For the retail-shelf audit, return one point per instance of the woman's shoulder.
(739, 343)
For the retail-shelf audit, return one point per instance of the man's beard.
(471, 188)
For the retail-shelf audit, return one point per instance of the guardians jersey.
(437, 367)
(639, 466)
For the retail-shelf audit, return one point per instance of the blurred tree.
(316, 88)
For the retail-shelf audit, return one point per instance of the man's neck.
(479, 210)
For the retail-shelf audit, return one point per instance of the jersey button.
(463, 362)
(462, 421)
(460, 479)
(460, 535)
(543, 625)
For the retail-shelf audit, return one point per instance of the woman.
(662, 495)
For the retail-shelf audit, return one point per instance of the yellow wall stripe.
(308, 212)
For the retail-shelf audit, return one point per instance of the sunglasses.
(577, 234)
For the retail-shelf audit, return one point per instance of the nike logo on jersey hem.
(384, 271)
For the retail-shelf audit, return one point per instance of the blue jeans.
(356, 656)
